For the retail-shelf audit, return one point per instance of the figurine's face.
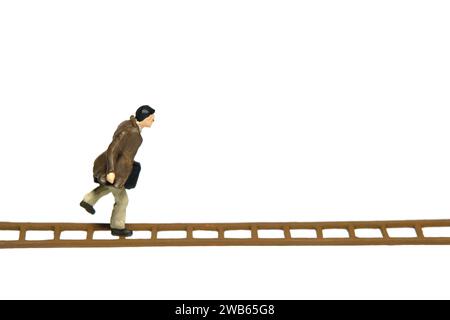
(147, 122)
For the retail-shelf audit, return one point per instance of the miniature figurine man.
(115, 169)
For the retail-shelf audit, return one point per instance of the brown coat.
(120, 155)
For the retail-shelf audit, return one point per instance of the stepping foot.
(87, 207)
(121, 232)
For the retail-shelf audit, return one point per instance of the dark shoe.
(121, 232)
(87, 207)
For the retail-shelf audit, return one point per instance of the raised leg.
(96, 194)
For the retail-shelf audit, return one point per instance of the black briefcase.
(134, 176)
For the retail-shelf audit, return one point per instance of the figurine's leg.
(96, 194)
(120, 208)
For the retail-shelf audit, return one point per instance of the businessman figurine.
(115, 169)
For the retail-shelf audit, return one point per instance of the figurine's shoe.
(87, 207)
(121, 232)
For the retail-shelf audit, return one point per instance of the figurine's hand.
(111, 177)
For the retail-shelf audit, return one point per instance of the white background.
(266, 111)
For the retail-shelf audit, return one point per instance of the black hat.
(144, 112)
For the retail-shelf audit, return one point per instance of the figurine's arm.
(113, 152)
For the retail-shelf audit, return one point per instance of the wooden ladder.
(231, 234)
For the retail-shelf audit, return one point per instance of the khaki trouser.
(120, 206)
